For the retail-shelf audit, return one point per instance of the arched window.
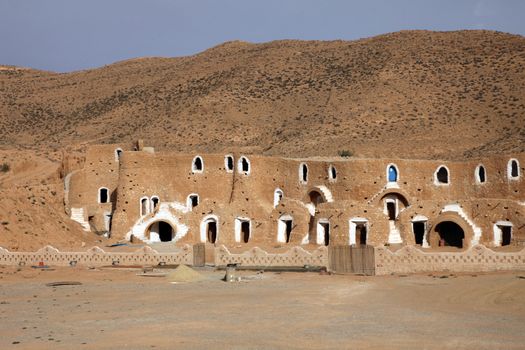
(332, 173)
(144, 206)
(197, 165)
(392, 173)
(480, 174)
(118, 153)
(303, 173)
(192, 201)
(244, 165)
(228, 163)
(277, 196)
(154, 203)
(103, 195)
(513, 169)
(441, 176)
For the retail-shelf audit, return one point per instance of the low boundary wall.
(478, 258)
(408, 259)
(96, 257)
(296, 256)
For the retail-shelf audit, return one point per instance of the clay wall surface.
(359, 191)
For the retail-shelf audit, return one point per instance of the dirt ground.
(118, 309)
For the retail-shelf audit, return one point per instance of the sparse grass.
(4, 168)
(345, 153)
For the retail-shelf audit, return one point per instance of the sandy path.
(116, 309)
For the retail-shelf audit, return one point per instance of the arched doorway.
(209, 229)
(449, 234)
(160, 231)
(316, 197)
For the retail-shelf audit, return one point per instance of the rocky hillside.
(412, 94)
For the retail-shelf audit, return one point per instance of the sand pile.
(184, 273)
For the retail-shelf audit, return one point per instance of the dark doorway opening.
(155, 202)
(333, 173)
(194, 200)
(514, 169)
(391, 209)
(211, 231)
(165, 232)
(450, 234)
(197, 164)
(419, 231)
(245, 166)
(481, 174)
(506, 234)
(119, 153)
(326, 229)
(104, 195)
(245, 231)
(229, 163)
(316, 198)
(304, 173)
(361, 231)
(288, 232)
(311, 229)
(442, 175)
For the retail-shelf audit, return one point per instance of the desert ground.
(117, 308)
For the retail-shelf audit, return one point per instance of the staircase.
(457, 209)
(394, 236)
(77, 214)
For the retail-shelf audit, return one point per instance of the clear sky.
(66, 35)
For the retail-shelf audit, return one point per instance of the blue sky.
(67, 35)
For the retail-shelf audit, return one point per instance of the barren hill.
(406, 94)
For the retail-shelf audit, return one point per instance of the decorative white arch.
(387, 171)
(139, 230)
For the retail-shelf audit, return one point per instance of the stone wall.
(295, 257)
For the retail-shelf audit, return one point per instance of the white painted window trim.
(436, 181)
(498, 234)
(239, 165)
(281, 227)
(391, 199)
(509, 169)
(194, 167)
(117, 150)
(203, 226)
(423, 219)
(352, 226)
(301, 166)
(238, 221)
(226, 163)
(332, 169)
(189, 201)
(148, 206)
(397, 172)
(152, 204)
(278, 195)
(320, 231)
(476, 174)
(99, 195)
